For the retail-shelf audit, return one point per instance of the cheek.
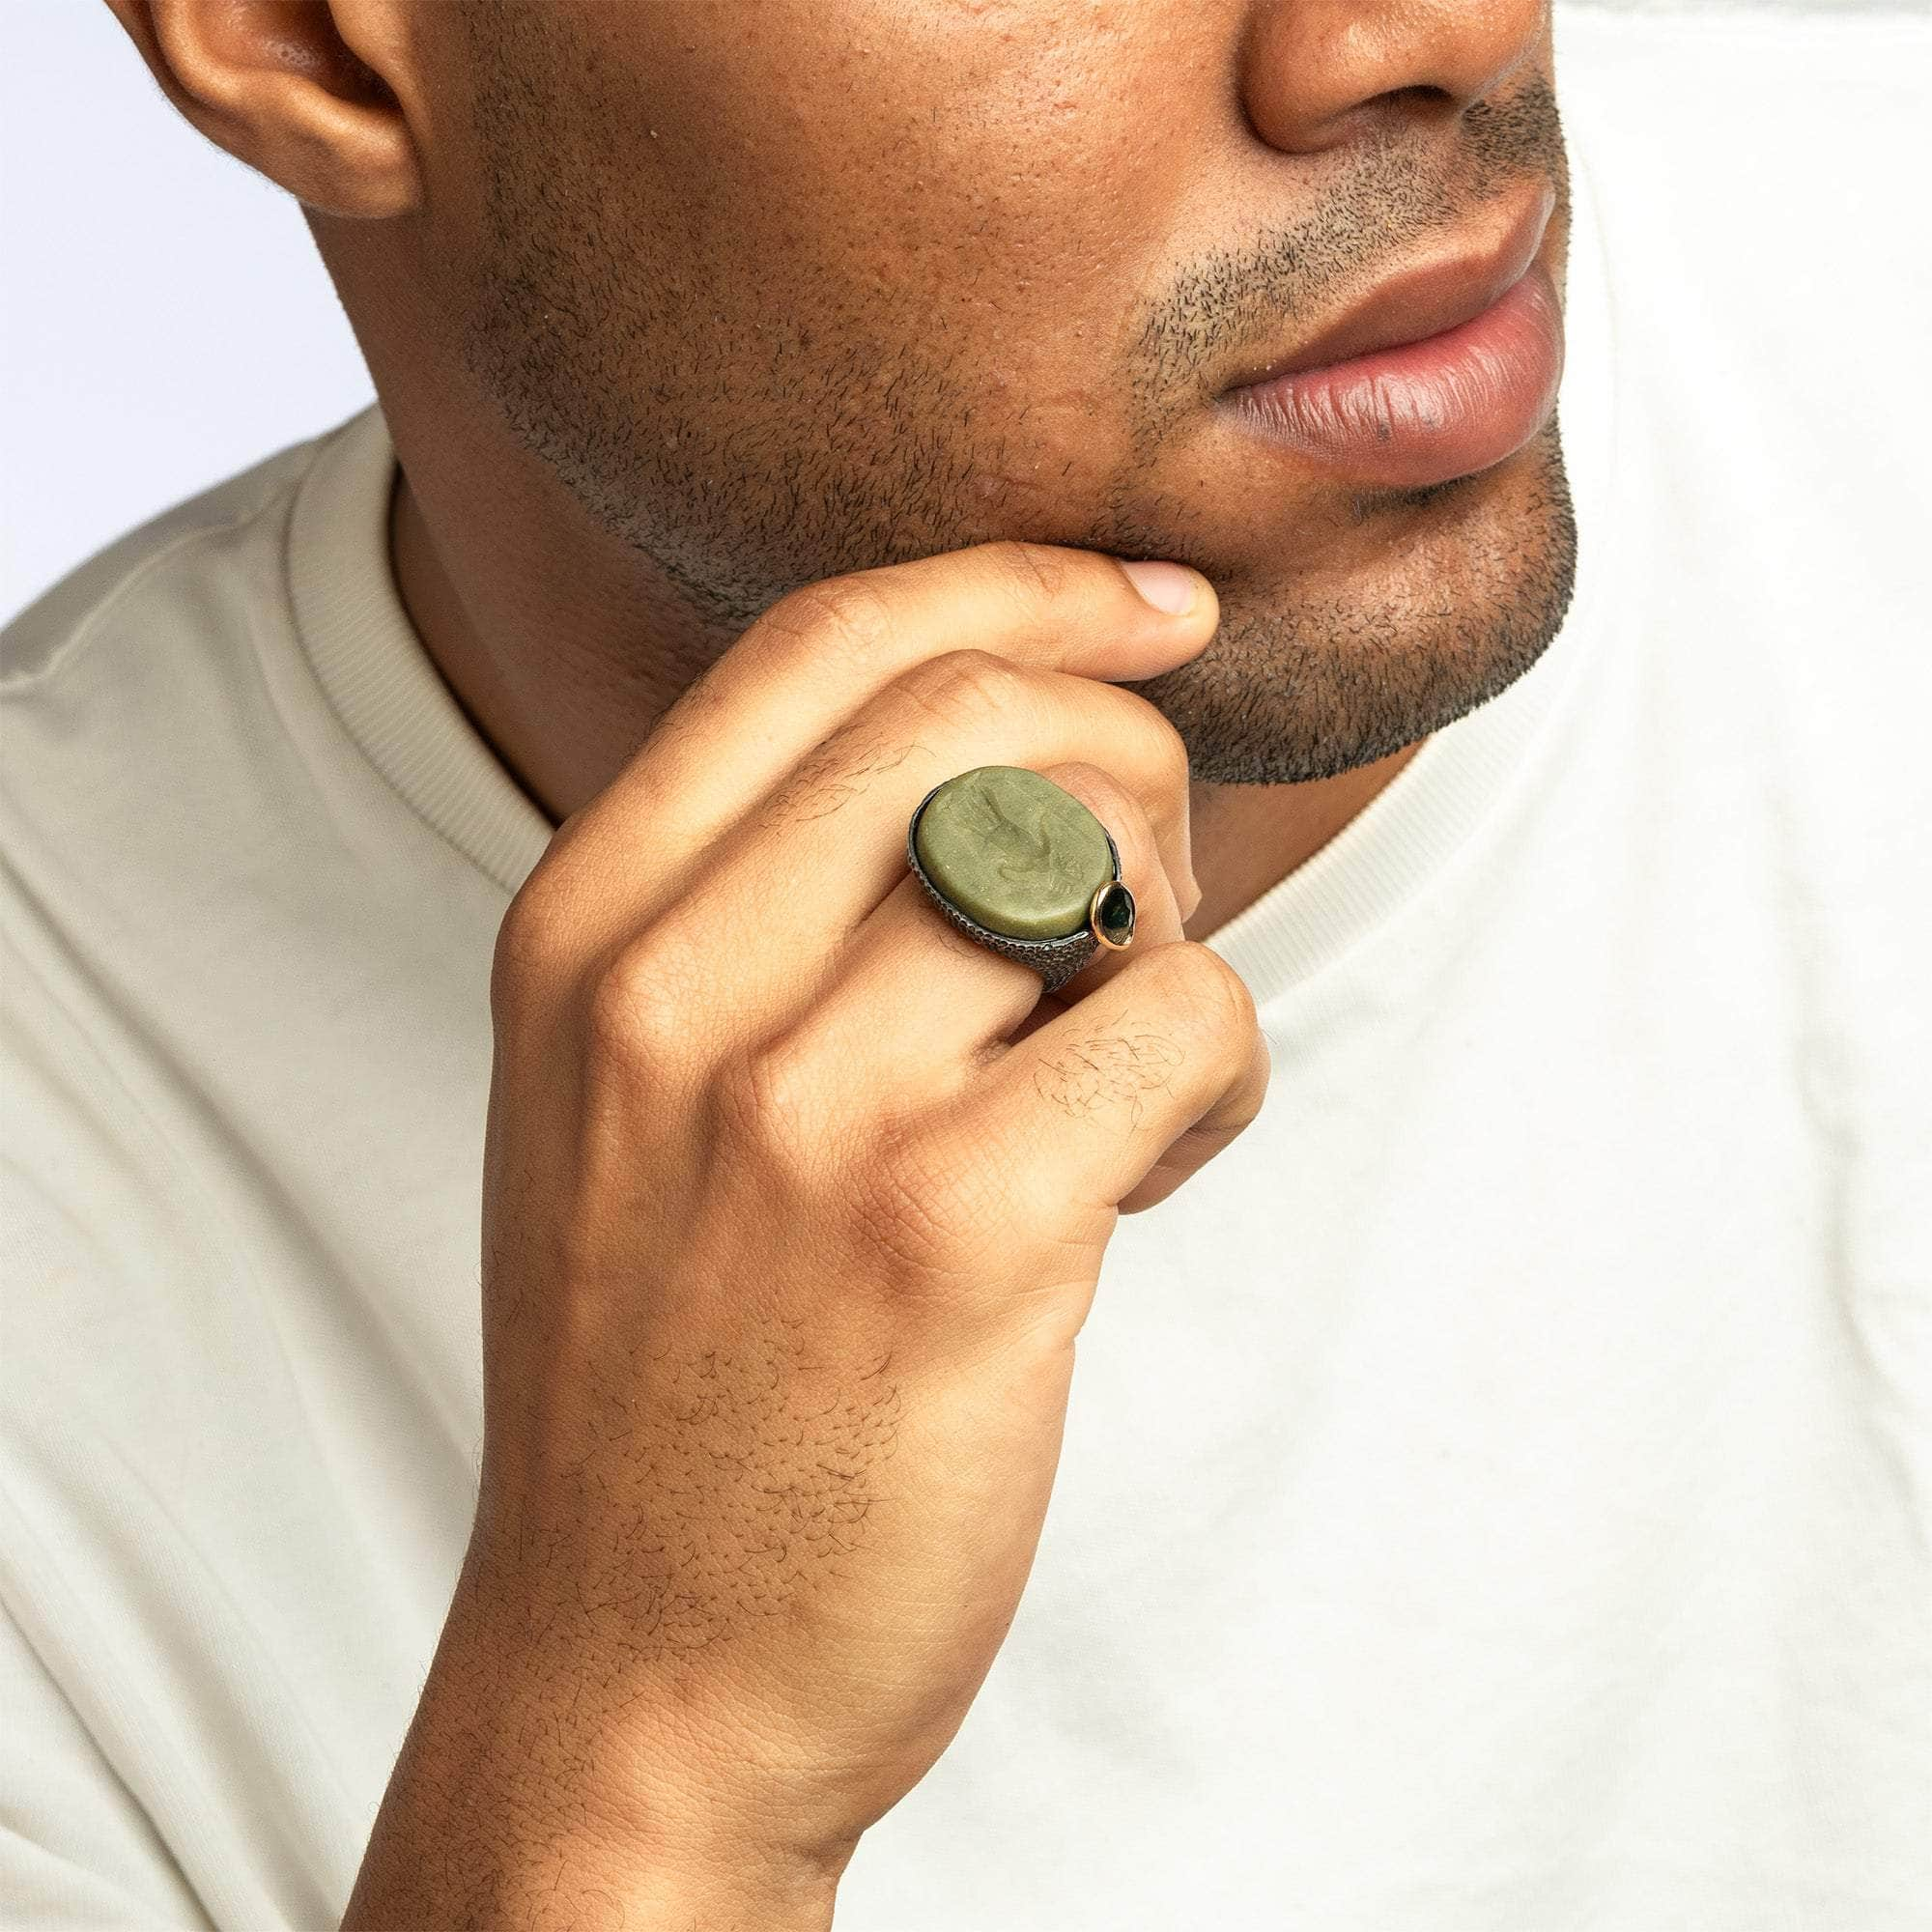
(969, 214)
(977, 166)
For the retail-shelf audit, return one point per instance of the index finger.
(823, 650)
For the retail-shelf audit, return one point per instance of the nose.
(1318, 73)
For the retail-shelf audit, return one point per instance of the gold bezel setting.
(1115, 892)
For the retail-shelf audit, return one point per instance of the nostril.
(1411, 104)
(1383, 116)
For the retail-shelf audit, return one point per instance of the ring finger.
(795, 881)
(933, 1004)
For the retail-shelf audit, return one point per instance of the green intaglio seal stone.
(1014, 851)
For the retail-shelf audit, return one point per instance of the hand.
(794, 1203)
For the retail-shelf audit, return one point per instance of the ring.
(1021, 866)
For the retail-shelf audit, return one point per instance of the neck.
(545, 663)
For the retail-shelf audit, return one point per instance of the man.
(1494, 1492)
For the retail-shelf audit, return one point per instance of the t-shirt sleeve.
(77, 1854)
(176, 1665)
(78, 1850)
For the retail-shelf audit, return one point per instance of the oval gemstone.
(1014, 851)
(1114, 914)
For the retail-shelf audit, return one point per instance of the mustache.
(1398, 191)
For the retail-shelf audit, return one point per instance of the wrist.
(410, 1881)
(466, 1837)
(508, 1809)
(589, 1884)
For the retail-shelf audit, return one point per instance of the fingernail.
(1168, 586)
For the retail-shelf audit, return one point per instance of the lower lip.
(1424, 412)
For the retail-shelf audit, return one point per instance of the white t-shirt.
(1496, 1493)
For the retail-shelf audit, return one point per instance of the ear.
(314, 94)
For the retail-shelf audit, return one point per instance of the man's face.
(785, 288)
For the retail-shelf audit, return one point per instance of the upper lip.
(1423, 299)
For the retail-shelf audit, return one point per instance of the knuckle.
(1040, 572)
(1169, 747)
(965, 687)
(529, 946)
(1199, 982)
(1118, 806)
(1083, 776)
(844, 614)
(640, 1005)
(766, 1097)
(1260, 1069)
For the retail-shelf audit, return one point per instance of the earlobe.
(295, 89)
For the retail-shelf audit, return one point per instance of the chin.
(1425, 603)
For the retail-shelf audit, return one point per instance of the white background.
(164, 319)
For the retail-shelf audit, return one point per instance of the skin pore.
(674, 305)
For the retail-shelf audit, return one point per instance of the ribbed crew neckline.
(393, 704)
(373, 669)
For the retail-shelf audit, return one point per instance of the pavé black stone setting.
(1055, 960)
